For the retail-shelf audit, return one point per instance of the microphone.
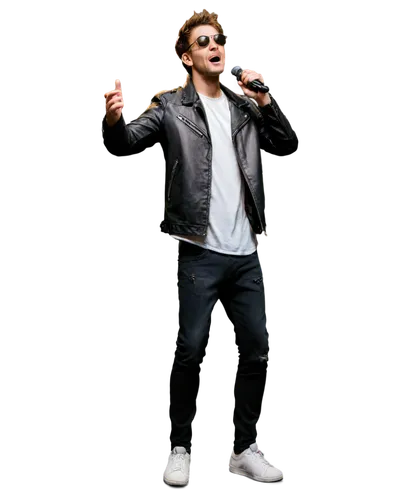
(255, 85)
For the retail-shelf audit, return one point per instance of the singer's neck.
(207, 85)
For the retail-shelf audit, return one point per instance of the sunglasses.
(204, 40)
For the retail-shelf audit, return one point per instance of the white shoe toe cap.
(176, 477)
(273, 473)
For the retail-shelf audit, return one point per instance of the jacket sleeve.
(128, 139)
(276, 135)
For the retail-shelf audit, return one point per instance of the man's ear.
(186, 59)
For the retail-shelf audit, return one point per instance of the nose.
(213, 43)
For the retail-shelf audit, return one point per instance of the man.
(214, 205)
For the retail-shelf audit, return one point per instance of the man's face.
(200, 56)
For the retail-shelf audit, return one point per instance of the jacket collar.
(190, 96)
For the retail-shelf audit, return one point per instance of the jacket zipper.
(172, 178)
(255, 204)
(199, 107)
(241, 125)
(198, 132)
(191, 125)
(244, 174)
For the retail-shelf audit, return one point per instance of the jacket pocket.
(191, 125)
(172, 178)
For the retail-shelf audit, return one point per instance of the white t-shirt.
(229, 230)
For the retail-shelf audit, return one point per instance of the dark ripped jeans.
(204, 276)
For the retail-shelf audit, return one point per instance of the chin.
(217, 71)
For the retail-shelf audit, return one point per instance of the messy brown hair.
(197, 19)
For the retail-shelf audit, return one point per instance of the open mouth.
(215, 60)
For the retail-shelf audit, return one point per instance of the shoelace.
(178, 461)
(259, 455)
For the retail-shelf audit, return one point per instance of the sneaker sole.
(175, 483)
(241, 472)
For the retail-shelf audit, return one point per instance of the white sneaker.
(178, 467)
(251, 463)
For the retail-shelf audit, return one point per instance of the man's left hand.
(248, 76)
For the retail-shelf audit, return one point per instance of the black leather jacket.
(178, 121)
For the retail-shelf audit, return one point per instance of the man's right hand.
(114, 104)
